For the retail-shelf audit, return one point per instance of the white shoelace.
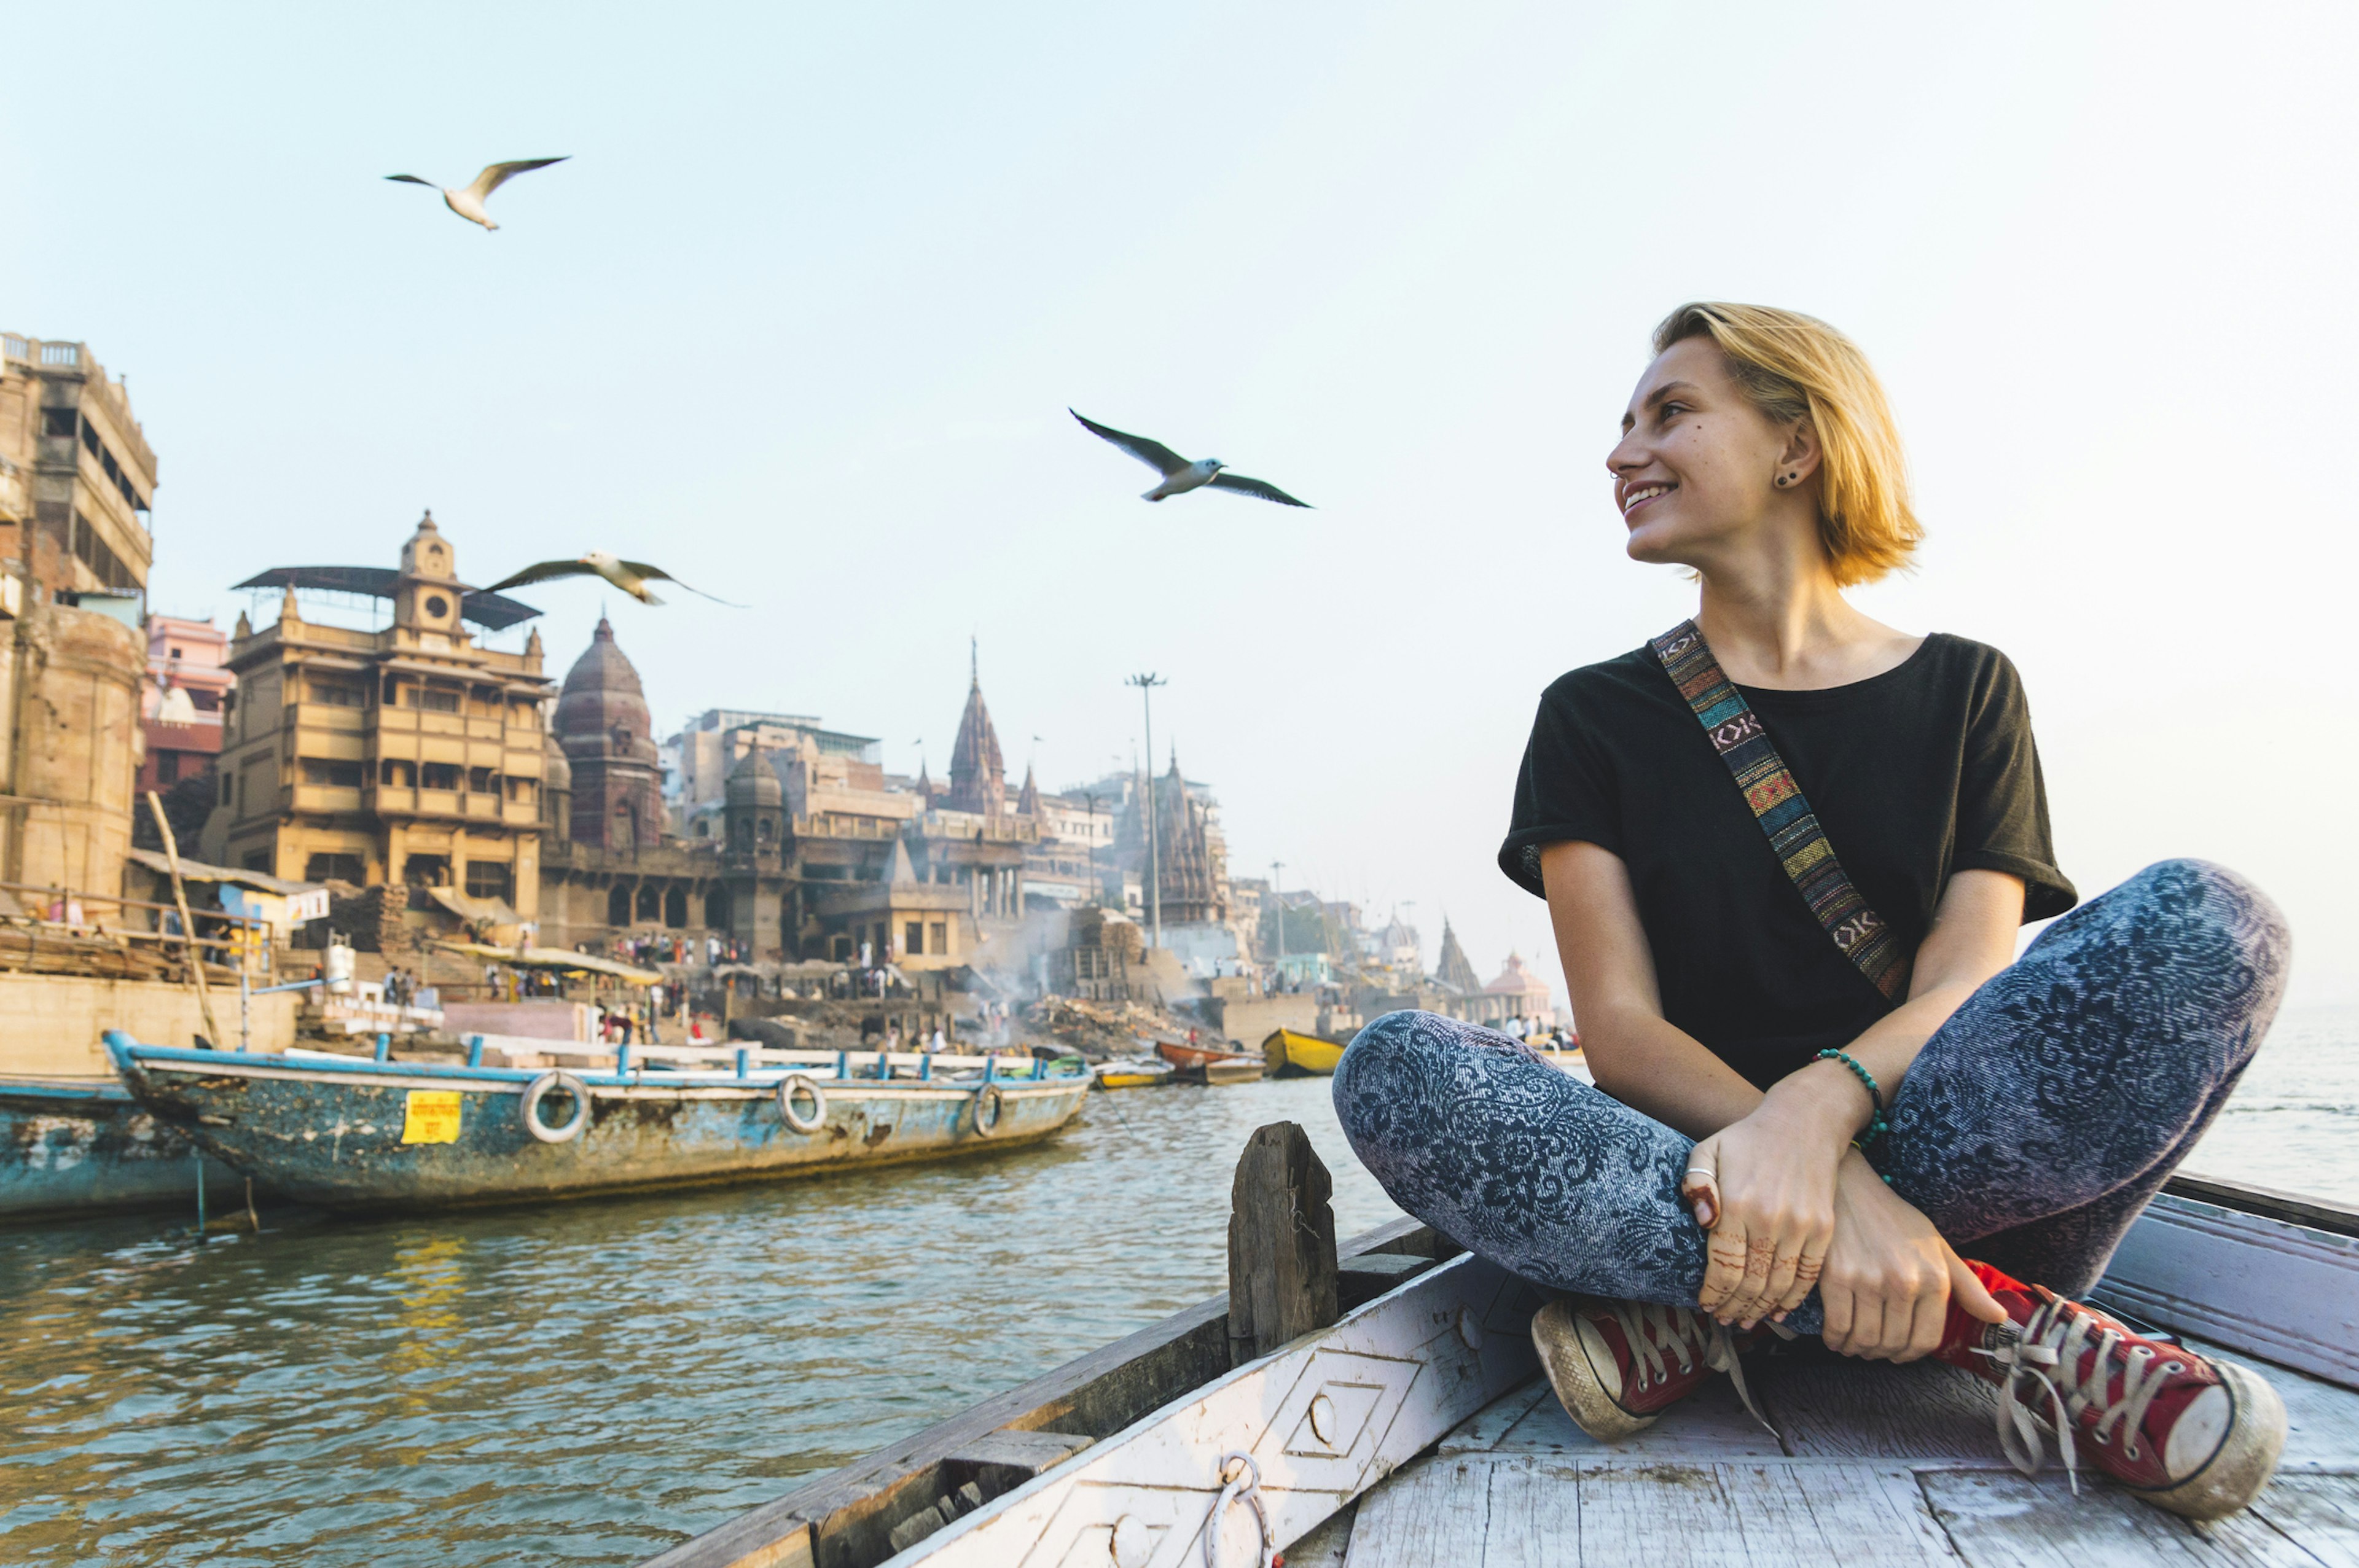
(1651, 1328)
(2051, 1352)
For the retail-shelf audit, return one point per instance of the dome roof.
(752, 781)
(602, 705)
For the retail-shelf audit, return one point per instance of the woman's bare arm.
(1635, 1054)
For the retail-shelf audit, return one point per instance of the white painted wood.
(1327, 1545)
(1535, 1513)
(1832, 1407)
(1996, 1518)
(1813, 1515)
(1395, 1376)
(1436, 1512)
(2283, 1292)
(1656, 1515)
(1481, 1431)
(2318, 1513)
(1711, 1423)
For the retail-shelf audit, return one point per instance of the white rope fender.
(1240, 1480)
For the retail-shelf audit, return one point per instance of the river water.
(592, 1382)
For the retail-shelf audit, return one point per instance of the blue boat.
(81, 1146)
(352, 1133)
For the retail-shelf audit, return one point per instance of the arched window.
(716, 909)
(618, 905)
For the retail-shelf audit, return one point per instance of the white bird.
(631, 577)
(469, 203)
(1179, 475)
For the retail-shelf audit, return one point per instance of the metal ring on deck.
(787, 1087)
(1240, 1482)
(988, 1094)
(537, 1090)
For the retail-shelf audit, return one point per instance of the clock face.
(437, 606)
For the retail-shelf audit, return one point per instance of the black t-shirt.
(1924, 770)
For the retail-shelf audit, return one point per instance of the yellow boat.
(1293, 1055)
(1132, 1074)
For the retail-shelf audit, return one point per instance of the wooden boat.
(1132, 1074)
(1294, 1056)
(349, 1133)
(84, 1145)
(1416, 1430)
(1212, 1064)
(1227, 1070)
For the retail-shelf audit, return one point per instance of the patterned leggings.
(2032, 1130)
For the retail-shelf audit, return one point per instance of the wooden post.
(1281, 1243)
(194, 954)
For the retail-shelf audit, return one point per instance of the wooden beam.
(1281, 1243)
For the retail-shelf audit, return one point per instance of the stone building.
(407, 755)
(1454, 969)
(915, 923)
(610, 870)
(75, 466)
(608, 737)
(978, 774)
(1515, 993)
(76, 478)
(804, 753)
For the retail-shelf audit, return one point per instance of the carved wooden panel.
(1322, 1420)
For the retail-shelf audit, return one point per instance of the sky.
(800, 319)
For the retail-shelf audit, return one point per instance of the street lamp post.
(1146, 684)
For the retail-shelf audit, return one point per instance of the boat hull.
(1187, 1058)
(349, 1135)
(72, 1147)
(1293, 1055)
(1236, 1070)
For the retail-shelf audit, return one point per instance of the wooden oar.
(188, 925)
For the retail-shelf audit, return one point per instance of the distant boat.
(1211, 1064)
(1132, 1074)
(349, 1132)
(75, 1146)
(1292, 1055)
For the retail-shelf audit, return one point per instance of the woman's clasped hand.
(1788, 1206)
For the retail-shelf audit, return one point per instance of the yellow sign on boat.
(432, 1117)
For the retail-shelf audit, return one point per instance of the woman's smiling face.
(1698, 464)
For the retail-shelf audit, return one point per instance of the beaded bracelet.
(1877, 1126)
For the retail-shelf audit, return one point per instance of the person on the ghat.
(1786, 850)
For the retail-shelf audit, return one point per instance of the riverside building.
(408, 755)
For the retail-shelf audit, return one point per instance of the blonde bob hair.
(1794, 367)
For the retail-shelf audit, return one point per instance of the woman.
(1785, 850)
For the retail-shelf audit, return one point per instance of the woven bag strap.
(1768, 786)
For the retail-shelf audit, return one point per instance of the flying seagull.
(469, 203)
(1179, 475)
(631, 577)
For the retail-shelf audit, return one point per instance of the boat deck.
(1872, 1464)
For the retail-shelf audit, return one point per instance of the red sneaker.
(2196, 1436)
(1617, 1365)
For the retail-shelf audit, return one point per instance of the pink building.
(181, 706)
